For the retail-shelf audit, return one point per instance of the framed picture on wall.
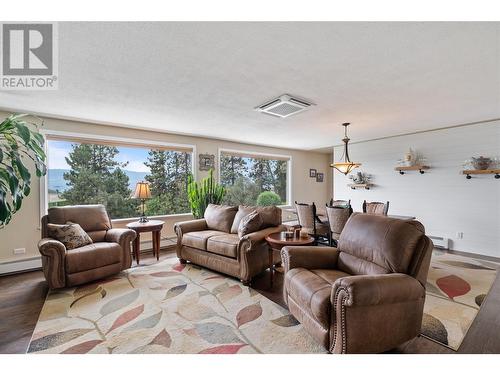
(312, 172)
(319, 177)
(206, 162)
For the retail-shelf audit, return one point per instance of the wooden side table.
(277, 241)
(153, 226)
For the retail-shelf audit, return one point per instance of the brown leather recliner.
(108, 255)
(367, 295)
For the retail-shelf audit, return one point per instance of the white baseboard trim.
(21, 265)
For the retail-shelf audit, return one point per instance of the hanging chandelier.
(345, 165)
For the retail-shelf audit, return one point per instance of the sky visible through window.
(135, 156)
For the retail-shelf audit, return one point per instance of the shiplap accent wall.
(442, 199)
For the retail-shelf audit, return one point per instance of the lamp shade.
(345, 168)
(142, 190)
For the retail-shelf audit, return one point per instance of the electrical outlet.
(20, 251)
(460, 235)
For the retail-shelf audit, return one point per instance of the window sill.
(158, 217)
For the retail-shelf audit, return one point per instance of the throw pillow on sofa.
(220, 217)
(271, 216)
(249, 224)
(70, 234)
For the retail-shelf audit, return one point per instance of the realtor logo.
(29, 56)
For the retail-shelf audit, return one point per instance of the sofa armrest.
(53, 261)
(370, 290)
(123, 237)
(309, 257)
(260, 235)
(49, 246)
(184, 227)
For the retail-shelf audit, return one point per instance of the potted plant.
(20, 144)
(201, 194)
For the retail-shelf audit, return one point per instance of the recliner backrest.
(372, 244)
(93, 219)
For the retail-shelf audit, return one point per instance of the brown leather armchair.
(367, 295)
(107, 255)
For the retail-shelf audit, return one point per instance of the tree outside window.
(86, 173)
(248, 178)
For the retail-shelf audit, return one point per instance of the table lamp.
(142, 192)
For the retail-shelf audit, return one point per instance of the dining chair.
(337, 218)
(377, 208)
(310, 222)
(339, 202)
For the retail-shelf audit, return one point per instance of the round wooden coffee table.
(277, 241)
(153, 226)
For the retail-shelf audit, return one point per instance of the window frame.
(268, 155)
(112, 141)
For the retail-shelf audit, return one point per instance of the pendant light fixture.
(345, 165)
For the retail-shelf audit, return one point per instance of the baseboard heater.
(440, 242)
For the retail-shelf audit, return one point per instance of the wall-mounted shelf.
(360, 186)
(420, 168)
(495, 172)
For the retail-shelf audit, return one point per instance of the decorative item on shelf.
(320, 177)
(142, 192)
(412, 161)
(481, 165)
(481, 162)
(345, 166)
(312, 173)
(360, 180)
(206, 162)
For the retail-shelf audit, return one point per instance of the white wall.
(442, 199)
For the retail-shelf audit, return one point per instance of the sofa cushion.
(226, 245)
(311, 289)
(93, 256)
(249, 224)
(198, 240)
(70, 234)
(242, 212)
(220, 217)
(271, 216)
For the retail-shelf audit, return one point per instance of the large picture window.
(82, 172)
(254, 179)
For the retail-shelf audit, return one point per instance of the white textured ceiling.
(206, 78)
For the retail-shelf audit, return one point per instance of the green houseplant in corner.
(19, 141)
(201, 194)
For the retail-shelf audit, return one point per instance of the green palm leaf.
(20, 143)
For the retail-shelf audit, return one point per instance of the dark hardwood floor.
(22, 297)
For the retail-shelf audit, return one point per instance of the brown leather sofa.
(213, 242)
(367, 295)
(108, 255)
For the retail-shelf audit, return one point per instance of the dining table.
(321, 214)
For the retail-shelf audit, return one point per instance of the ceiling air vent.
(284, 106)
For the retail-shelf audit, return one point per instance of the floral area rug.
(456, 288)
(167, 308)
